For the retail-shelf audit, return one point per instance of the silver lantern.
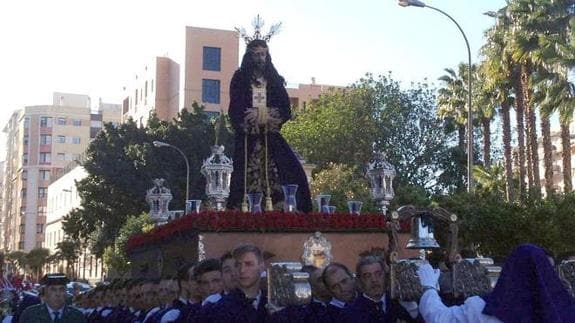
(159, 197)
(381, 173)
(218, 171)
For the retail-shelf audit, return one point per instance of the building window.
(61, 156)
(25, 159)
(61, 139)
(46, 122)
(26, 123)
(24, 174)
(44, 174)
(212, 58)
(45, 158)
(39, 228)
(23, 193)
(211, 91)
(42, 192)
(26, 139)
(45, 139)
(136, 96)
(96, 124)
(21, 245)
(77, 122)
(22, 228)
(76, 140)
(61, 121)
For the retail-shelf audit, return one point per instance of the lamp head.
(414, 3)
(160, 144)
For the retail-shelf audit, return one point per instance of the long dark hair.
(247, 67)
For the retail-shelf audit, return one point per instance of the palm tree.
(484, 103)
(554, 56)
(522, 39)
(498, 70)
(451, 100)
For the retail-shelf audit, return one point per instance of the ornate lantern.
(218, 171)
(159, 197)
(381, 173)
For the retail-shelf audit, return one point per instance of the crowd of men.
(232, 289)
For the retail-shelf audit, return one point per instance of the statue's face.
(259, 55)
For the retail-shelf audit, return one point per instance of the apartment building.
(155, 89)
(41, 140)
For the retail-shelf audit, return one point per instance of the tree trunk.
(531, 128)
(507, 150)
(486, 125)
(566, 145)
(547, 154)
(519, 111)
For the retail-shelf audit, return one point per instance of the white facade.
(62, 198)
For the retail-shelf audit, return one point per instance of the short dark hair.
(182, 274)
(368, 260)
(207, 265)
(227, 255)
(330, 269)
(247, 248)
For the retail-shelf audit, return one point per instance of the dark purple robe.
(289, 169)
(364, 310)
(529, 290)
(236, 308)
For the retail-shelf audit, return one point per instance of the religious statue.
(259, 106)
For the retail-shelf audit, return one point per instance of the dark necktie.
(379, 306)
(56, 316)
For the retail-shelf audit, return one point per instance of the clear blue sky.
(95, 47)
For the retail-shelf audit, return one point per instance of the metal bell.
(422, 233)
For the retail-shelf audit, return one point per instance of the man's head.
(193, 288)
(208, 274)
(318, 289)
(183, 280)
(249, 265)
(55, 290)
(168, 290)
(339, 282)
(229, 274)
(371, 275)
(149, 293)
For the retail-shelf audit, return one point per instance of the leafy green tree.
(68, 251)
(343, 126)
(496, 226)
(17, 258)
(121, 163)
(115, 257)
(343, 183)
(36, 259)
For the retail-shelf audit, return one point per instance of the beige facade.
(41, 140)
(211, 58)
(153, 90)
(302, 95)
(558, 182)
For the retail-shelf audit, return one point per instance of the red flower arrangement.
(235, 221)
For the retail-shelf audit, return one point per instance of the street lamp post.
(163, 144)
(420, 4)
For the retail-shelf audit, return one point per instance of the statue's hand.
(274, 119)
(251, 120)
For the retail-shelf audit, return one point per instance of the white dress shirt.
(433, 310)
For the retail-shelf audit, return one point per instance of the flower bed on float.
(235, 221)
